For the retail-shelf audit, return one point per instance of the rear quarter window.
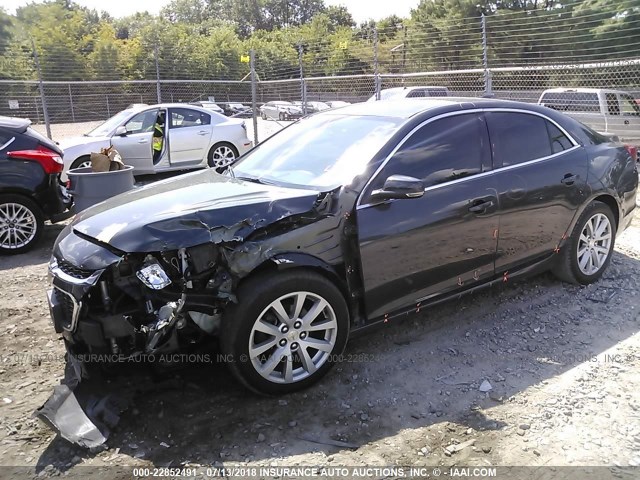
(571, 101)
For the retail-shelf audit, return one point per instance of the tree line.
(207, 39)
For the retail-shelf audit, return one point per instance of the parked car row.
(281, 110)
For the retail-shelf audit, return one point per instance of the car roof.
(17, 124)
(409, 107)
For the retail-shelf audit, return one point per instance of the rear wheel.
(222, 155)
(587, 253)
(21, 224)
(81, 162)
(286, 331)
(263, 115)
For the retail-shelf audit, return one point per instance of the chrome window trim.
(8, 143)
(490, 172)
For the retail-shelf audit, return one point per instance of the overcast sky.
(360, 9)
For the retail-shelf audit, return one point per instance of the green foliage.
(204, 39)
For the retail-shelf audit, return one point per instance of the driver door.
(135, 146)
(415, 249)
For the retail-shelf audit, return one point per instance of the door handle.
(569, 179)
(142, 141)
(480, 205)
(202, 132)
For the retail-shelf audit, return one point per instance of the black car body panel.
(27, 177)
(211, 232)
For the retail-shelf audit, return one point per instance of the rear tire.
(587, 252)
(271, 332)
(221, 155)
(84, 161)
(21, 224)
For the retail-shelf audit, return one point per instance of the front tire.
(21, 224)
(285, 332)
(587, 253)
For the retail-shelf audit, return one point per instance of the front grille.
(73, 271)
(67, 306)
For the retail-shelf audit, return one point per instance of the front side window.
(142, 122)
(444, 150)
(185, 117)
(522, 137)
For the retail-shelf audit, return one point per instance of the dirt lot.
(562, 362)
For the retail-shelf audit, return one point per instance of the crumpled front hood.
(190, 210)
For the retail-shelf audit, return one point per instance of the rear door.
(135, 146)
(415, 249)
(189, 136)
(541, 176)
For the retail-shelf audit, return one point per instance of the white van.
(612, 112)
(410, 92)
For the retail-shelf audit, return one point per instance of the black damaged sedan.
(343, 220)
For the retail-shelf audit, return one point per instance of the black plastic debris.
(80, 411)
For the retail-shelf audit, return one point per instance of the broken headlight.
(153, 276)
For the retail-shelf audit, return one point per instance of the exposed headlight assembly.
(153, 276)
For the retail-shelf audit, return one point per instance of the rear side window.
(185, 117)
(571, 101)
(444, 150)
(612, 104)
(417, 93)
(559, 141)
(520, 137)
(436, 92)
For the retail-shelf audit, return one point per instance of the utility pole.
(376, 74)
(485, 59)
(45, 112)
(303, 90)
(158, 91)
(254, 103)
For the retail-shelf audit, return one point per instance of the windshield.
(321, 152)
(109, 126)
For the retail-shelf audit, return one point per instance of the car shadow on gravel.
(40, 254)
(427, 369)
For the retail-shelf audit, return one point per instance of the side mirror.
(121, 131)
(399, 186)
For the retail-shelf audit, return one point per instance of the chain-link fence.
(510, 55)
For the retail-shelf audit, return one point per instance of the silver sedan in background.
(193, 137)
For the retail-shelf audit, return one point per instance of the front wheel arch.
(293, 260)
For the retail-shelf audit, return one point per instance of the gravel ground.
(531, 373)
